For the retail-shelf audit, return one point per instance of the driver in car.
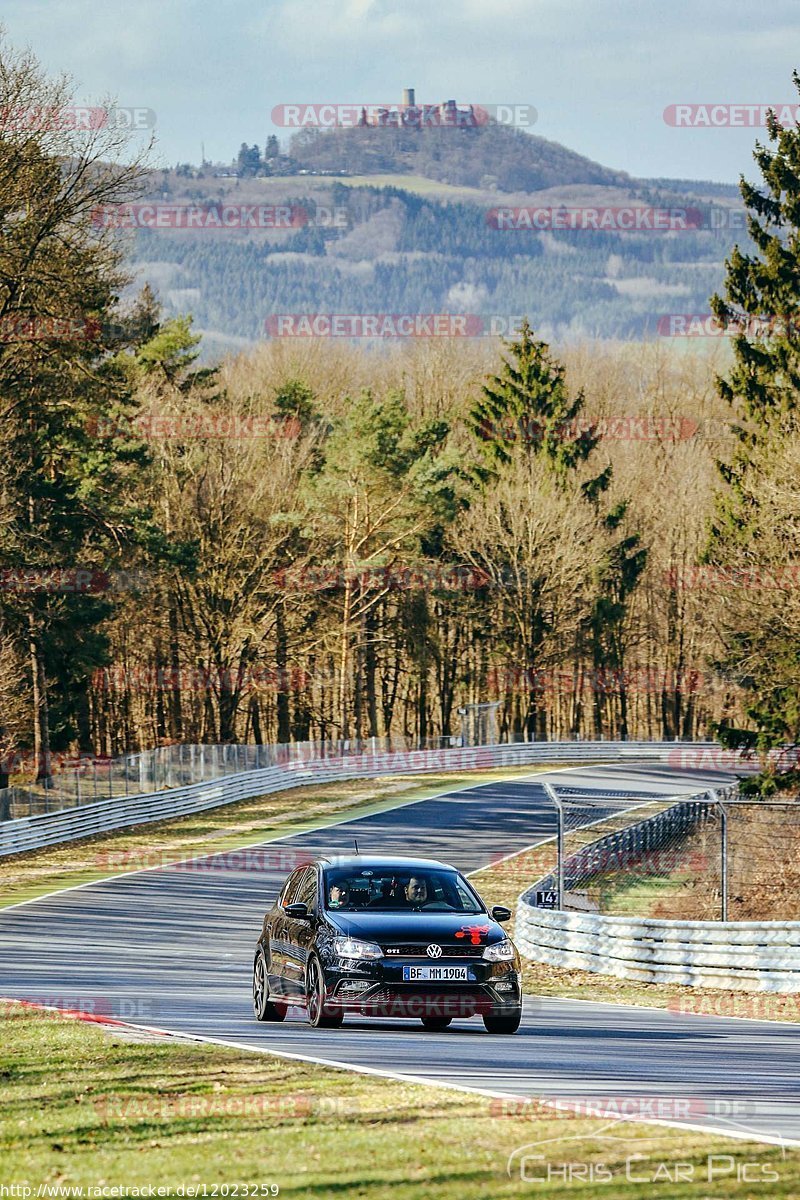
(337, 897)
(416, 891)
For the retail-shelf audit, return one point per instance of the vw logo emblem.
(434, 951)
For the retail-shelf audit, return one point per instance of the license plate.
(437, 974)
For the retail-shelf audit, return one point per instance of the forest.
(313, 539)
(395, 251)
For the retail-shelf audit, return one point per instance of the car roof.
(367, 861)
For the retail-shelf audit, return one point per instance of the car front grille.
(420, 950)
(406, 991)
(419, 1001)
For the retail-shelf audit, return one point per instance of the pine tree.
(761, 305)
(528, 406)
(527, 417)
(68, 496)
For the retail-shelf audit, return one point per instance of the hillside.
(406, 229)
(491, 156)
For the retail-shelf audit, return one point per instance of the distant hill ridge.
(485, 156)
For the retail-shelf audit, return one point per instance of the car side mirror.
(501, 913)
(297, 912)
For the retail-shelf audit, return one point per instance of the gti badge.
(434, 951)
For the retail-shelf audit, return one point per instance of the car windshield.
(385, 889)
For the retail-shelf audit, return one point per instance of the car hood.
(449, 928)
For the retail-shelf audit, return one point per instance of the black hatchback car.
(386, 937)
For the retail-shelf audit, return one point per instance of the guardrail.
(756, 956)
(761, 956)
(119, 812)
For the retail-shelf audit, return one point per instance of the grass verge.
(79, 1108)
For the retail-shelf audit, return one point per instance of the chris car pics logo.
(562, 1162)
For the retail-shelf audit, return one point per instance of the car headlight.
(353, 948)
(500, 951)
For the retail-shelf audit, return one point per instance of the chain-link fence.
(711, 856)
(75, 780)
(82, 780)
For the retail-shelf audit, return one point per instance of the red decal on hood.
(473, 932)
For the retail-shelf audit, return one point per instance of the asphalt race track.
(172, 948)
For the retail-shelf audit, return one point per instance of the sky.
(599, 74)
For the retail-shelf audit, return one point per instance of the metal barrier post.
(723, 817)
(551, 791)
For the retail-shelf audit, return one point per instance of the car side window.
(289, 893)
(307, 891)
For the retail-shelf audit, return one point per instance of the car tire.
(321, 1015)
(503, 1022)
(436, 1023)
(264, 1008)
